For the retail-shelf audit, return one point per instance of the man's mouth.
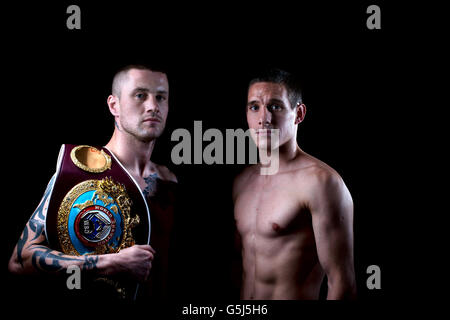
(263, 132)
(151, 120)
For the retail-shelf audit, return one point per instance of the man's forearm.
(38, 258)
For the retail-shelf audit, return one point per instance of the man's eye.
(141, 96)
(274, 107)
(253, 107)
(160, 97)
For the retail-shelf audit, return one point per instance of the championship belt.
(96, 207)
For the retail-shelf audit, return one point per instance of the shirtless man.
(139, 104)
(295, 226)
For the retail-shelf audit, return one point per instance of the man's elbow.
(19, 267)
(342, 289)
(15, 267)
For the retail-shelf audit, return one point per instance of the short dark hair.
(118, 77)
(290, 82)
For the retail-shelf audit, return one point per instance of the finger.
(149, 255)
(147, 273)
(146, 253)
(146, 247)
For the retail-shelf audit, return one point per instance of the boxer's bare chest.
(272, 206)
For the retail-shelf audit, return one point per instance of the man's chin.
(149, 136)
(264, 143)
(266, 147)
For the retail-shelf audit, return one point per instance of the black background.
(59, 79)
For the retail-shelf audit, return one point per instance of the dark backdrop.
(59, 79)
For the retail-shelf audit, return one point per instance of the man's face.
(144, 104)
(268, 107)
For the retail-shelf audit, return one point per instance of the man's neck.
(133, 154)
(287, 153)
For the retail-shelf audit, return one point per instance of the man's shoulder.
(322, 182)
(316, 173)
(246, 174)
(241, 179)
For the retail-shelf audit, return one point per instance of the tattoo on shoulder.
(151, 184)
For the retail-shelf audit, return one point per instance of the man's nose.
(151, 104)
(265, 117)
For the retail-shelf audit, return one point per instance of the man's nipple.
(276, 227)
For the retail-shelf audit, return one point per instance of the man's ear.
(301, 112)
(113, 104)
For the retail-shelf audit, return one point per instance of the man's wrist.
(107, 264)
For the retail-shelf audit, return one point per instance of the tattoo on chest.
(151, 184)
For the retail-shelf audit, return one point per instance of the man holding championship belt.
(95, 213)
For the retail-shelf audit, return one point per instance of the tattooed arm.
(32, 254)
